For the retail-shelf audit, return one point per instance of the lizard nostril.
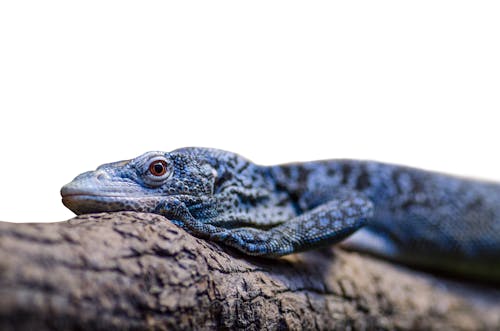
(101, 176)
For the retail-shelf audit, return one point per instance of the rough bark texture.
(133, 271)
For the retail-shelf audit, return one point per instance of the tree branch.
(133, 271)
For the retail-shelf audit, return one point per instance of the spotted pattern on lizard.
(414, 216)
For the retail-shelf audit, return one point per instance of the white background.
(89, 82)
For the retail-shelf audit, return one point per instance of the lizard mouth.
(88, 203)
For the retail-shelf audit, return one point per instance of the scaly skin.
(405, 214)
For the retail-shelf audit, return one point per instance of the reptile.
(417, 217)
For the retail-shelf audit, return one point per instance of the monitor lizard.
(417, 217)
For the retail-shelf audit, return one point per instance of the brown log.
(134, 271)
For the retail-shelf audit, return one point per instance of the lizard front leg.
(325, 224)
(178, 213)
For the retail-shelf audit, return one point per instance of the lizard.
(417, 217)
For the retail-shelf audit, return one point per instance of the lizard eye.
(158, 168)
(154, 169)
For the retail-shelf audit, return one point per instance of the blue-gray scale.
(418, 217)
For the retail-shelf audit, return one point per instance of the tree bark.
(135, 271)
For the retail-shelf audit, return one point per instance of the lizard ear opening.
(211, 174)
(214, 173)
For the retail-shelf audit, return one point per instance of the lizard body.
(401, 213)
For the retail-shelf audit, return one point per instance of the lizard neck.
(310, 184)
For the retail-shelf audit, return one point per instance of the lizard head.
(139, 184)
